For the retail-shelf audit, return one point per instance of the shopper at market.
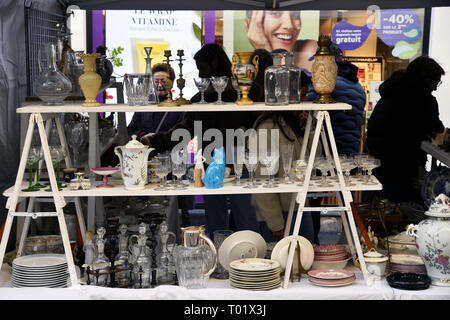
(272, 208)
(346, 123)
(212, 60)
(144, 123)
(406, 115)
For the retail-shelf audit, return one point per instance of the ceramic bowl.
(340, 264)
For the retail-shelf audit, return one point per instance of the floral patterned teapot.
(133, 163)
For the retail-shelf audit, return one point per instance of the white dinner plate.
(254, 265)
(41, 260)
(246, 243)
(281, 251)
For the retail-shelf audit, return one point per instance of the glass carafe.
(166, 265)
(276, 81)
(294, 78)
(196, 258)
(51, 86)
(101, 264)
(122, 259)
(152, 94)
(142, 266)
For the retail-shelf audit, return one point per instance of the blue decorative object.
(215, 173)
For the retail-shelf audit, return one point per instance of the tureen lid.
(440, 207)
(374, 255)
(134, 144)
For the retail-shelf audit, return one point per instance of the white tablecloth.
(221, 290)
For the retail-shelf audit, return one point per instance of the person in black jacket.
(212, 60)
(406, 115)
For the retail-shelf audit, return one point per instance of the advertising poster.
(294, 31)
(160, 29)
(369, 69)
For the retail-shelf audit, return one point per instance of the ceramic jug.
(432, 237)
(133, 159)
(195, 258)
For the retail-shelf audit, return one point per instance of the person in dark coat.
(346, 123)
(144, 123)
(406, 115)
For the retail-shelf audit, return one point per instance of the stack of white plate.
(255, 274)
(40, 270)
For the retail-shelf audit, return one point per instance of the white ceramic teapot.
(133, 163)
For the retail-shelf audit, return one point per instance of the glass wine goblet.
(251, 162)
(76, 130)
(369, 165)
(324, 166)
(40, 156)
(235, 84)
(287, 153)
(202, 84)
(162, 170)
(360, 158)
(269, 161)
(179, 168)
(56, 154)
(238, 164)
(219, 84)
(33, 156)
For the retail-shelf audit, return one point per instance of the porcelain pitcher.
(133, 163)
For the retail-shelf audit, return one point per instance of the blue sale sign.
(348, 36)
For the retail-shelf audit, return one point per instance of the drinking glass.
(219, 236)
(300, 169)
(324, 166)
(238, 164)
(179, 168)
(56, 154)
(251, 162)
(287, 152)
(219, 84)
(202, 84)
(235, 84)
(137, 86)
(359, 159)
(40, 156)
(162, 170)
(76, 138)
(370, 164)
(269, 161)
(33, 156)
(347, 164)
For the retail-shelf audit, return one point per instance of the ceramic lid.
(440, 207)
(373, 255)
(134, 144)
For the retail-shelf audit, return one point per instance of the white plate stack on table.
(330, 256)
(40, 270)
(255, 274)
(331, 277)
(406, 263)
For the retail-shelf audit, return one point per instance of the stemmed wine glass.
(202, 84)
(162, 169)
(251, 162)
(56, 154)
(269, 160)
(347, 164)
(359, 159)
(287, 153)
(235, 84)
(219, 84)
(324, 166)
(33, 156)
(238, 164)
(370, 164)
(179, 168)
(76, 134)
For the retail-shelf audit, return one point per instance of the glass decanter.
(152, 94)
(276, 81)
(142, 266)
(294, 78)
(166, 265)
(51, 86)
(122, 259)
(101, 262)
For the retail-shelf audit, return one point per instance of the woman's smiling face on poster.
(282, 28)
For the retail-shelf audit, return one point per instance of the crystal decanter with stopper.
(142, 266)
(122, 259)
(166, 265)
(152, 95)
(101, 263)
(294, 78)
(276, 80)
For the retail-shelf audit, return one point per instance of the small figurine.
(216, 171)
(199, 171)
(88, 248)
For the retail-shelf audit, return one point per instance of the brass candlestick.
(168, 102)
(181, 81)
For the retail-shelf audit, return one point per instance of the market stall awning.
(251, 4)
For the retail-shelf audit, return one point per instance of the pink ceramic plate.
(329, 248)
(331, 274)
(332, 257)
(332, 283)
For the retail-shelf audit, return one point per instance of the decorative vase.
(90, 81)
(324, 71)
(51, 86)
(245, 72)
(276, 81)
(432, 237)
